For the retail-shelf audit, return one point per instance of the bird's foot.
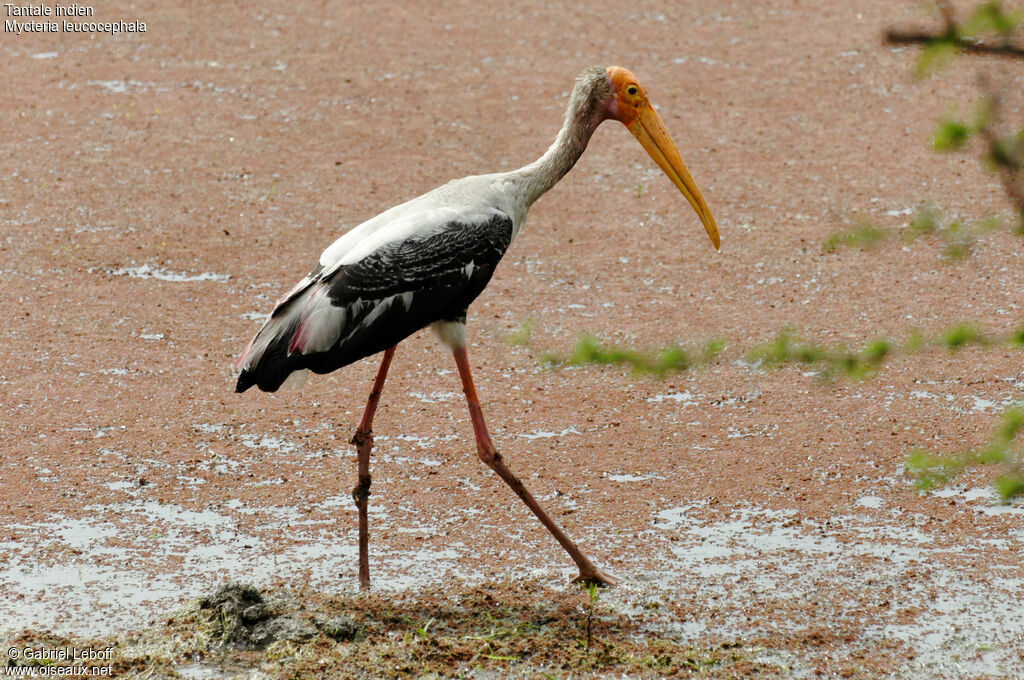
(595, 576)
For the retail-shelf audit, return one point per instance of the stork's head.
(629, 105)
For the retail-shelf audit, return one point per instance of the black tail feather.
(272, 367)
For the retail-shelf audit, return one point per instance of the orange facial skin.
(634, 110)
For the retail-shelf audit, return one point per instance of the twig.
(1011, 175)
(947, 15)
(895, 37)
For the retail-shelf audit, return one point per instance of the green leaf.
(937, 54)
(1007, 152)
(990, 18)
(951, 135)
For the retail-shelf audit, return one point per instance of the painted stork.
(423, 262)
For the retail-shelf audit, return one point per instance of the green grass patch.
(962, 335)
(1017, 337)
(956, 237)
(787, 348)
(521, 336)
(1004, 450)
(675, 358)
(864, 236)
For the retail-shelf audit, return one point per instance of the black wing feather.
(395, 291)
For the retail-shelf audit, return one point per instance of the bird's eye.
(631, 89)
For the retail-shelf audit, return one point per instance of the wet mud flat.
(716, 592)
(515, 629)
(523, 628)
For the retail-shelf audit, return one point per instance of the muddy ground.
(159, 190)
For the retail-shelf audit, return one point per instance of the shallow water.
(89, 576)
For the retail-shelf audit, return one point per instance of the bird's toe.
(595, 576)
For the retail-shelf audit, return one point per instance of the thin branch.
(1011, 175)
(947, 15)
(894, 37)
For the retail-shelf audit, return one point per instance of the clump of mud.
(504, 629)
(244, 619)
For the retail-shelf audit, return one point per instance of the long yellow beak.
(650, 132)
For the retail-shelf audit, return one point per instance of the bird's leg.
(363, 440)
(489, 455)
